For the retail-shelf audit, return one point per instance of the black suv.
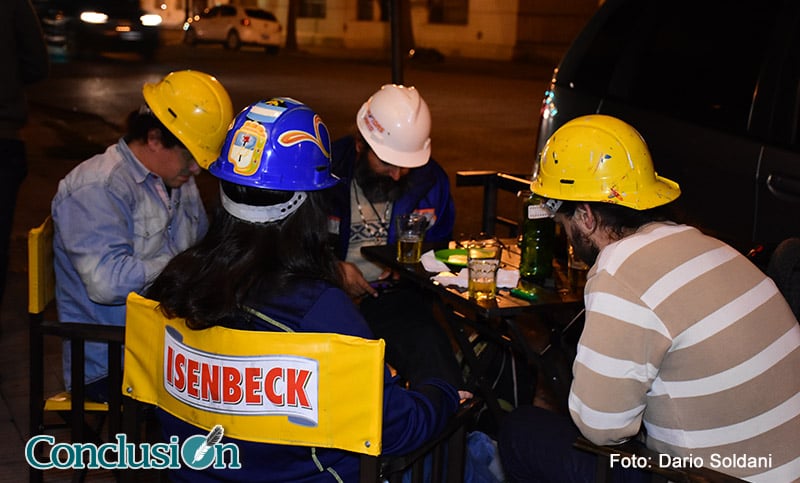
(713, 86)
(85, 27)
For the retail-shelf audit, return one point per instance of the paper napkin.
(505, 278)
(431, 264)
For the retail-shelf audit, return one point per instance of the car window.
(228, 11)
(792, 80)
(261, 14)
(595, 66)
(786, 123)
(668, 57)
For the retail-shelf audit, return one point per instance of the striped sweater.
(688, 337)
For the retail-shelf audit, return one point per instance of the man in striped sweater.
(686, 345)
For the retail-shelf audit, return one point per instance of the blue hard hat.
(277, 144)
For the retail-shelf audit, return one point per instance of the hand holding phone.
(384, 286)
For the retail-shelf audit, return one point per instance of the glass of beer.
(483, 261)
(410, 233)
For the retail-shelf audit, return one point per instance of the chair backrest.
(41, 276)
(329, 386)
(493, 183)
(41, 294)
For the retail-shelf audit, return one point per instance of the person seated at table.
(121, 215)
(686, 344)
(266, 257)
(386, 171)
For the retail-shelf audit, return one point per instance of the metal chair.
(492, 182)
(41, 294)
(346, 409)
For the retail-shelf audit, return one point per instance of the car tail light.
(245, 22)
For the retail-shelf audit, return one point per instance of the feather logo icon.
(214, 437)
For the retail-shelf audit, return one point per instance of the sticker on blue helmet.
(246, 148)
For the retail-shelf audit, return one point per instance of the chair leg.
(79, 476)
(77, 416)
(602, 470)
(457, 455)
(369, 469)
(36, 385)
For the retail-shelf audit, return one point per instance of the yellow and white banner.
(305, 389)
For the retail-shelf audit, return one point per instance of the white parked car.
(234, 26)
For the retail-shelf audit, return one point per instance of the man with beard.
(386, 171)
(687, 346)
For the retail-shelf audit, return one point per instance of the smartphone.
(385, 286)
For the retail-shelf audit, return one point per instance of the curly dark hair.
(618, 217)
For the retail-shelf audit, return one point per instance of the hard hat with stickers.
(277, 144)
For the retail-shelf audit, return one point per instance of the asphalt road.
(484, 113)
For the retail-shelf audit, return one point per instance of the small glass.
(410, 234)
(483, 262)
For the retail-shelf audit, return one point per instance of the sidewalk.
(46, 168)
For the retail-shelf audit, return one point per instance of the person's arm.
(31, 49)
(442, 230)
(430, 193)
(413, 416)
(354, 282)
(619, 355)
(96, 230)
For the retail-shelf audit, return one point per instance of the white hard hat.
(396, 123)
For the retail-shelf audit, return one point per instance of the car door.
(687, 83)
(777, 111)
(207, 27)
(227, 21)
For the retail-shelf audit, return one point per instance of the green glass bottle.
(538, 242)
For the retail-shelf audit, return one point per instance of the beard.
(582, 246)
(377, 188)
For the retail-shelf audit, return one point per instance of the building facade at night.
(487, 29)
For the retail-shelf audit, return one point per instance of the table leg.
(552, 363)
(478, 366)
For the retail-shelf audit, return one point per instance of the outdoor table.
(498, 321)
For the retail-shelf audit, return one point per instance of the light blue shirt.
(116, 227)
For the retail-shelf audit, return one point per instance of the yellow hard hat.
(600, 158)
(196, 108)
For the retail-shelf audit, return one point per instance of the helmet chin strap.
(262, 214)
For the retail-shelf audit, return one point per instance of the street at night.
(484, 117)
